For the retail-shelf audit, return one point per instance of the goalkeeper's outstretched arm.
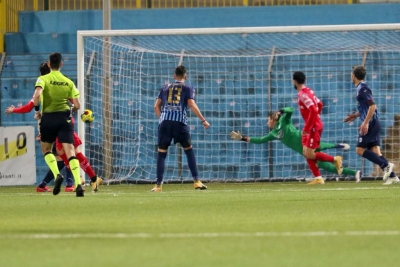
(238, 136)
(255, 140)
(286, 114)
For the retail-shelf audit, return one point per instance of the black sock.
(69, 180)
(160, 166)
(93, 179)
(50, 176)
(371, 156)
(191, 159)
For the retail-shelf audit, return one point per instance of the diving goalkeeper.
(283, 130)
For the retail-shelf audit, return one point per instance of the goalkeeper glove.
(237, 136)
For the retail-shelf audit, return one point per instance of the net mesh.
(236, 86)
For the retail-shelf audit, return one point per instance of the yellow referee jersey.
(56, 90)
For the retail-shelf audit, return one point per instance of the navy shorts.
(373, 136)
(57, 124)
(168, 130)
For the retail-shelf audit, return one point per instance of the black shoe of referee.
(57, 184)
(79, 191)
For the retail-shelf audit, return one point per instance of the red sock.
(319, 156)
(64, 158)
(85, 165)
(313, 167)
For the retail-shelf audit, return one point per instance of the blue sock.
(378, 160)
(392, 174)
(43, 183)
(160, 166)
(191, 159)
(50, 176)
(69, 181)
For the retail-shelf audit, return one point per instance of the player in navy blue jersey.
(170, 107)
(368, 145)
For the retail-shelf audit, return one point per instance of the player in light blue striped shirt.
(170, 107)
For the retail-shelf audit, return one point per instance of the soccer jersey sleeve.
(160, 92)
(74, 93)
(365, 95)
(25, 109)
(286, 118)
(40, 82)
(306, 100)
(191, 93)
(266, 138)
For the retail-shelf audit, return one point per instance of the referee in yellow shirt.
(52, 91)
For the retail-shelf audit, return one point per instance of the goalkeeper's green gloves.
(238, 136)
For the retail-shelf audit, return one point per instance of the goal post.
(239, 75)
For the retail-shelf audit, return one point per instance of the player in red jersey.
(310, 108)
(95, 181)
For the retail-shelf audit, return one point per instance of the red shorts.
(312, 140)
(77, 142)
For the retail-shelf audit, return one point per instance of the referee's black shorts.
(57, 124)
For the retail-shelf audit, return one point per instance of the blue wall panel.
(71, 21)
(66, 23)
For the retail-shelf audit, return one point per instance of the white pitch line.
(199, 235)
(336, 189)
(211, 191)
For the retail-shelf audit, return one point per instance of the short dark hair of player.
(44, 68)
(274, 115)
(299, 77)
(180, 71)
(359, 72)
(55, 60)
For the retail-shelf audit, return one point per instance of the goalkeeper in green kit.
(283, 130)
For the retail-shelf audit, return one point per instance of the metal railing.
(38, 5)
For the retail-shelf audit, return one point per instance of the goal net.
(240, 74)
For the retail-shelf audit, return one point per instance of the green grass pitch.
(249, 224)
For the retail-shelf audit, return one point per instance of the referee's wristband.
(37, 108)
(203, 121)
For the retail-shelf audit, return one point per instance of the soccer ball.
(87, 116)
